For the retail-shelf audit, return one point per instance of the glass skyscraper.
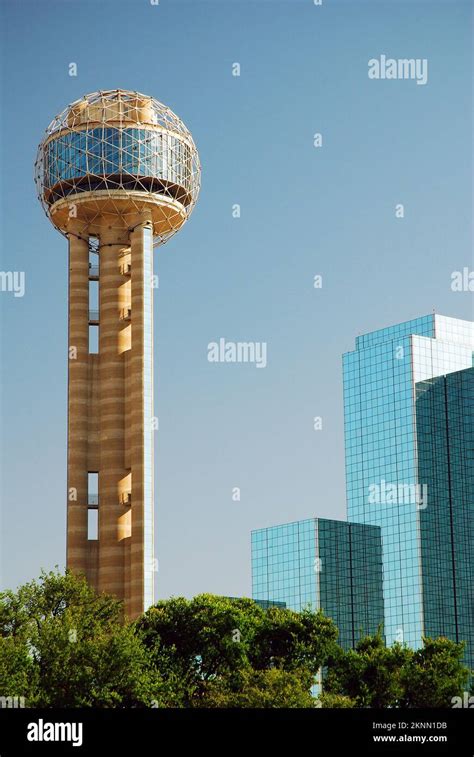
(322, 564)
(388, 476)
(445, 436)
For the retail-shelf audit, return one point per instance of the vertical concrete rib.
(141, 378)
(112, 413)
(78, 403)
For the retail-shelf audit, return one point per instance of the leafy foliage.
(210, 644)
(63, 645)
(435, 675)
(270, 688)
(374, 675)
(70, 647)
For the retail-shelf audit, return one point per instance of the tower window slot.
(93, 488)
(92, 524)
(93, 340)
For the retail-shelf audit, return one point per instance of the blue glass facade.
(384, 487)
(322, 564)
(112, 152)
(283, 564)
(445, 434)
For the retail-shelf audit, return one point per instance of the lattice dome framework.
(112, 155)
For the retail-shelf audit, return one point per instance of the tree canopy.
(63, 645)
(373, 675)
(211, 649)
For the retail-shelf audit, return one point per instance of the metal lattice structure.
(112, 154)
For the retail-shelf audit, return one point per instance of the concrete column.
(112, 471)
(110, 415)
(78, 404)
(141, 433)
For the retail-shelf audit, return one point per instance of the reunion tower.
(117, 173)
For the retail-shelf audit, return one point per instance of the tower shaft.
(110, 413)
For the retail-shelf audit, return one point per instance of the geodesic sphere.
(113, 155)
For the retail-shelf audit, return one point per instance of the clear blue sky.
(304, 211)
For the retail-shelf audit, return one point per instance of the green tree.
(192, 642)
(262, 689)
(434, 675)
(211, 649)
(292, 640)
(17, 670)
(332, 701)
(374, 675)
(72, 646)
(370, 674)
